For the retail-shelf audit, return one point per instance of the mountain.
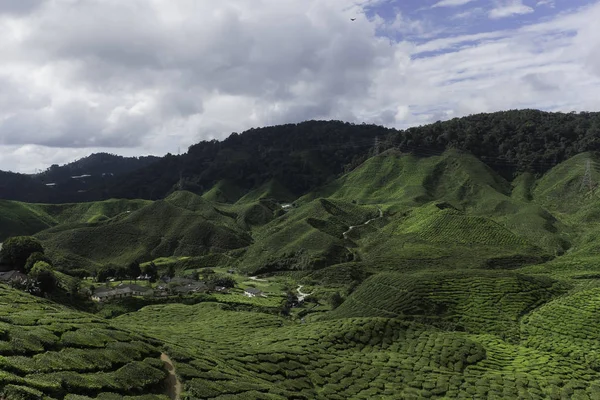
(424, 274)
(302, 156)
(307, 155)
(70, 182)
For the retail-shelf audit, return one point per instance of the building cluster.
(167, 287)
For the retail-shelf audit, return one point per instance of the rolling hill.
(426, 276)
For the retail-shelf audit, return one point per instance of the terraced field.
(265, 357)
(49, 350)
(472, 301)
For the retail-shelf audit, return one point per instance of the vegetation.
(71, 182)
(50, 351)
(16, 251)
(422, 272)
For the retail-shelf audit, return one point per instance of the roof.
(12, 275)
(183, 281)
(252, 290)
(138, 288)
(112, 292)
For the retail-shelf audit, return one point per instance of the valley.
(408, 276)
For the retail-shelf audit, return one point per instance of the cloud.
(548, 3)
(149, 76)
(509, 8)
(19, 7)
(451, 3)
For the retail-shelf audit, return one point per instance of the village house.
(189, 287)
(253, 292)
(119, 292)
(12, 276)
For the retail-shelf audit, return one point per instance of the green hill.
(472, 301)
(424, 277)
(307, 237)
(17, 219)
(160, 229)
(404, 179)
(272, 190)
(224, 191)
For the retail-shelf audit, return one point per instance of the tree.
(44, 275)
(35, 257)
(134, 270)
(222, 280)
(74, 286)
(104, 273)
(151, 270)
(171, 270)
(16, 250)
(335, 300)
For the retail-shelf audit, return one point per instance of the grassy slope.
(450, 211)
(316, 227)
(18, 218)
(270, 190)
(22, 219)
(183, 224)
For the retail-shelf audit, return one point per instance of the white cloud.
(451, 3)
(548, 3)
(149, 76)
(509, 8)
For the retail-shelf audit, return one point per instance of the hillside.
(422, 277)
(307, 155)
(310, 154)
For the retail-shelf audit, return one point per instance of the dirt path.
(302, 296)
(345, 234)
(173, 385)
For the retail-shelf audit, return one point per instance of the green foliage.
(133, 269)
(16, 250)
(43, 274)
(14, 392)
(34, 258)
(222, 280)
(335, 300)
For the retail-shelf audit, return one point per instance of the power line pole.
(180, 183)
(377, 146)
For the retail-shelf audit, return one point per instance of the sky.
(142, 77)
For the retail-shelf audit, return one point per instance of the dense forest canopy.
(509, 141)
(309, 154)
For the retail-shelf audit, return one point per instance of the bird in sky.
(352, 19)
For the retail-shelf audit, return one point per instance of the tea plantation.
(422, 277)
(50, 351)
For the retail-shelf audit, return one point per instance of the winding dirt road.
(345, 234)
(302, 296)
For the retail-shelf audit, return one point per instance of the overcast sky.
(136, 77)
